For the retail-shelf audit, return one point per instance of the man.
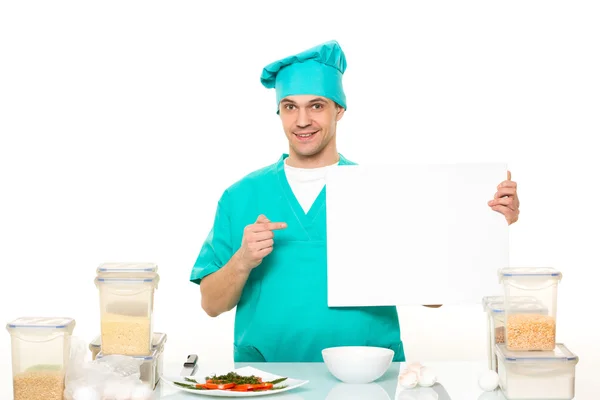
(266, 252)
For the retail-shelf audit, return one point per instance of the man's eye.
(318, 106)
(289, 106)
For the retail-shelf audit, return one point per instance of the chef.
(266, 251)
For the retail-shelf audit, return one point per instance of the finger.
(508, 175)
(512, 202)
(262, 235)
(262, 219)
(269, 226)
(504, 201)
(264, 252)
(510, 215)
(511, 184)
(502, 210)
(265, 244)
(506, 211)
(505, 191)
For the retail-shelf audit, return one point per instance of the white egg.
(408, 379)
(489, 380)
(123, 392)
(141, 392)
(86, 393)
(415, 366)
(427, 377)
(110, 390)
(117, 390)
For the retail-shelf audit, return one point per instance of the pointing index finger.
(270, 226)
(276, 226)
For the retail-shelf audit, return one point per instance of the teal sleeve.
(217, 249)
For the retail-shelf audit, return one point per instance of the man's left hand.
(506, 200)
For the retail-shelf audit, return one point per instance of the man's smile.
(305, 135)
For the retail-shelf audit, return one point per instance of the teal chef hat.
(317, 71)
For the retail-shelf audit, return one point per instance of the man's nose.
(303, 119)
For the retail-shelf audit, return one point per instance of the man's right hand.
(257, 241)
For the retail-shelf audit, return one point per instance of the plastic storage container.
(152, 366)
(500, 299)
(126, 313)
(490, 299)
(158, 341)
(486, 301)
(127, 270)
(531, 331)
(497, 328)
(548, 375)
(40, 355)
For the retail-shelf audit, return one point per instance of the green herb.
(278, 387)
(233, 377)
(276, 381)
(190, 380)
(187, 386)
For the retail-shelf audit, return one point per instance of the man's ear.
(340, 112)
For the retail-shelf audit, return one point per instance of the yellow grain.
(530, 332)
(499, 335)
(125, 335)
(39, 385)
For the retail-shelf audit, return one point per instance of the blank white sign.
(414, 234)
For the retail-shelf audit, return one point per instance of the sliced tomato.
(220, 386)
(248, 387)
(263, 386)
(244, 387)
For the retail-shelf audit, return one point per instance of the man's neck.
(319, 160)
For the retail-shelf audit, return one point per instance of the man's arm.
(221, 290)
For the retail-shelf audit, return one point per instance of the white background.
(122, 122)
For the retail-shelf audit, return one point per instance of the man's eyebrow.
(315, 100)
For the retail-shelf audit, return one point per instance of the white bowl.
(357, 364)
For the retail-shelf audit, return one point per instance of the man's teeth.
(306, 134)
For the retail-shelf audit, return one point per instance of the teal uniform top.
(282, 314)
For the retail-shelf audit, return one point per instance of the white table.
(457, 381)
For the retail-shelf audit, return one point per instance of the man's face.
(309, 123)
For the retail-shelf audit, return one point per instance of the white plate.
(290, 383)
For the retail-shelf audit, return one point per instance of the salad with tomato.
(233, 382)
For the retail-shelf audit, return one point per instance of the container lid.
(530, 272)
(44, 324)
(127, 268)
(128, 280)
(516, 306)
(486, 301)
(158, 340)
(153, 355)
(490, 299)
(560, 354)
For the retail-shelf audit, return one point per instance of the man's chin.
(306, 153)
